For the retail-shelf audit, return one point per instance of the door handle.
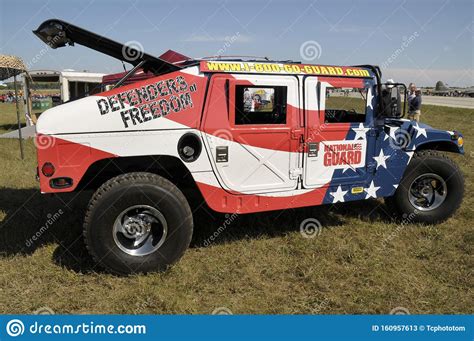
(313, 148)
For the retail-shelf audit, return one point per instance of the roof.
(44, 75)
(43, 72)
(54, 76)
(80, 76)
(10, 66)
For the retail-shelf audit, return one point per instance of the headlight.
(460, 141)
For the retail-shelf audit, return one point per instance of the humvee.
(244, 136)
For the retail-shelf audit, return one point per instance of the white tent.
(73, 85)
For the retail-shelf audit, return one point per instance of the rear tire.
(431, 190)
(137, 223)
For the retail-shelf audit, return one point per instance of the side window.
(260, 104)
(345, 105)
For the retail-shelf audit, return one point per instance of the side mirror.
(397, 109)
(391, 99)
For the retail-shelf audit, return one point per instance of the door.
(340, 134)
(252, 132)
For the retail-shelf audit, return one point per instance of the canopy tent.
(11, 66)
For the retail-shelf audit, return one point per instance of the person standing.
(411, 92)
(414, 107)
(247, 100)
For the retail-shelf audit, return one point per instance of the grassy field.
(8, 119)
(361, 262)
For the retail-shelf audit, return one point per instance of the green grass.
(8, 120)
(362, 262)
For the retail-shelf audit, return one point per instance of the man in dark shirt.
(414, 108)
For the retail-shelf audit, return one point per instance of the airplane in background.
(441, 89)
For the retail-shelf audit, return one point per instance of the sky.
(413, 41)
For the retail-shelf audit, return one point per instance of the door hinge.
(297, 134)
(295, 173)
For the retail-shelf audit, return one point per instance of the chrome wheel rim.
(140, 230)
(427, 192)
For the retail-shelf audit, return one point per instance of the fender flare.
(440, 145)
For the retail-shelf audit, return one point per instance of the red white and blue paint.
(269, 167)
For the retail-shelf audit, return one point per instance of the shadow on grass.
(8, 127)
(228, 227)
(33, 220)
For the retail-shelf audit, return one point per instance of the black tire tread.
(424, 154)
(120, 180)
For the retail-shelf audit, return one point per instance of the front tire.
(431, 190)
(137, 223)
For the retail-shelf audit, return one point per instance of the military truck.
(150, 148)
